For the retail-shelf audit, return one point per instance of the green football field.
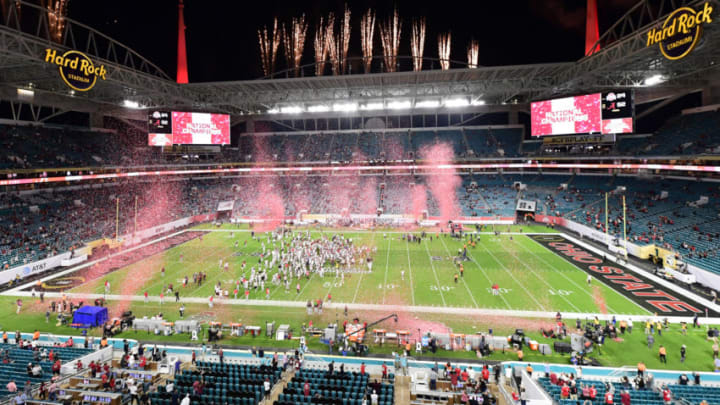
(531, 278)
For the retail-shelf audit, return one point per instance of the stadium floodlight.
(399, 105)
(25, 93)
(291, 109)
(372, 106)
(427, 104)
(653, 80)
(273, 110)
(477, 102)
(457, 102)
(131, 104)
(345, 107)
(318, 108)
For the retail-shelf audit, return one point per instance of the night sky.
(222, 39)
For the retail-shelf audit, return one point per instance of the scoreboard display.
(618, 112)
(598, 113)
(167, 128)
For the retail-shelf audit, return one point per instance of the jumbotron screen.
(607, 113)
(188, 128)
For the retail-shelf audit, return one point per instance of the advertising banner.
(33, 268)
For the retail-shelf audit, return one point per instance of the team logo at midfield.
(76, 68)
(681, 31)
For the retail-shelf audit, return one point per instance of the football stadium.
(360, 204)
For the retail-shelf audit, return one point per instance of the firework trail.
(417, 43)
(56, 13)
(473, 52)
(444, 50)
(268, 47)
(294, 43)
(343, 40)
(323, 41)
(390, 35)
(367, 31)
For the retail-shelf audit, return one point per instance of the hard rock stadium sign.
(76, 69)
(680, 32)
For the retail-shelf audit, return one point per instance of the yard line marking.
(538, 276)
(513, 277)
(297, 295)
(387, 265)
(193, 266)
(472, 259)
(472, 297)
(412, 286)
(581, 288)
(434, 272)
(357, 287)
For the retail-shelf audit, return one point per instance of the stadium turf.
(530, 277)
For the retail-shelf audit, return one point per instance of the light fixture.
(398, 105)
(25, 93)
(427, 104)
(477, 102)
(291, 109)
(653, 80)
(456, 102)
(372, 106)
(318, 108)
(273, 110)
(345, 107)
(131, 104)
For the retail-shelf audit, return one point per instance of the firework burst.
(390, 35)
(444, 50)
(56, 13)
(323, 43)
(417, 43)
(294, 42)
(269, 43)
(343, 39)
(367, 31)
(473, 52)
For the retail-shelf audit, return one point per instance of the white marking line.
(529, 294)
(307, 283)
(562, 273)
(472, 297)
(191, 265)
(357, 287)
(435, 273)
(596, 278)
(538, 276)
(387, 264)
(472, 259)
(412, 286)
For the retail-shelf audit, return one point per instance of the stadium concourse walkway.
(356, 306)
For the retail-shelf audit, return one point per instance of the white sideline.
(550, 315)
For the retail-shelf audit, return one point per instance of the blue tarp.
(89, 316)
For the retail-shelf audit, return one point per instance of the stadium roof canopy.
(622, 61)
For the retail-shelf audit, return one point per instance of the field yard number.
(559, 292)
(443, 288)
(500, 290)
(328, 284)
(386, 286)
